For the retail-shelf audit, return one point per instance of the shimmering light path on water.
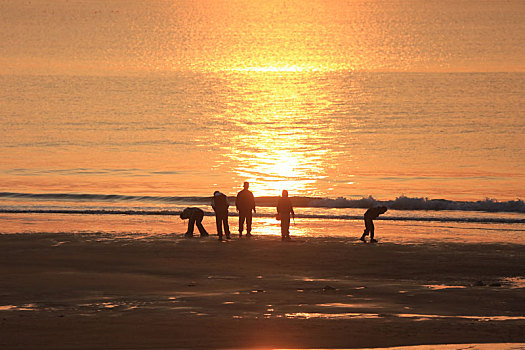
(452, 136)
(491, 346)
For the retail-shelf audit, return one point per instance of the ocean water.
(116, 115)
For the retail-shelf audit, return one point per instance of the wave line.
(400, 203)
(304, 216)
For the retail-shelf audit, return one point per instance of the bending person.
(195, 215)
(370, 215)
(220, 205)
(285, 209)
(245, 203)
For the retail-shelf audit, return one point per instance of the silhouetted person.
(220, 205)
(370, 215)
(195, 215)
(285, 209)
(245, 203)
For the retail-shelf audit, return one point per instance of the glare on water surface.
(281, 143)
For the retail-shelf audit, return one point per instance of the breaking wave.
(400, 203)
(407, 203)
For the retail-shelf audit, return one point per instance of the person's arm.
(253, 203)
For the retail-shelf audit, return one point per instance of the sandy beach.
(74, 291)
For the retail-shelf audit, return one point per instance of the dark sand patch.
(87, 293)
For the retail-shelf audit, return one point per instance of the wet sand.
(73, 291)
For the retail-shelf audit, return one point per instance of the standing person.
(195, 215)
(245, 203)
(370, 215)
(220, 205)
(285, 209)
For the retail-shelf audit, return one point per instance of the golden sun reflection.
(282, 165)
(276, 69)
(281, 146)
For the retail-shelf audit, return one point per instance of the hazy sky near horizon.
(121, 37)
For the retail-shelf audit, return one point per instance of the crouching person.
(195, 215)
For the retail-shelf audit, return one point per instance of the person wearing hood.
(195, 215)
(220, 205)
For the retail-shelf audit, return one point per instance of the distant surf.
(400, 203)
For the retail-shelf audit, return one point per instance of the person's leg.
(371, 230)
(249, 224)
(201, 228)
(241, 222)
(368, 225)
(285, 227)
(226, 226)
(287, 222)
(191, 225)
(218, 222)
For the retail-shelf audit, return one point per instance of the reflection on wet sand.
(491, 346)
(514, 282)
(475, 318)
(442, 286)
(310, 315)
(24, 307)
(170, 304)
(350, 305)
